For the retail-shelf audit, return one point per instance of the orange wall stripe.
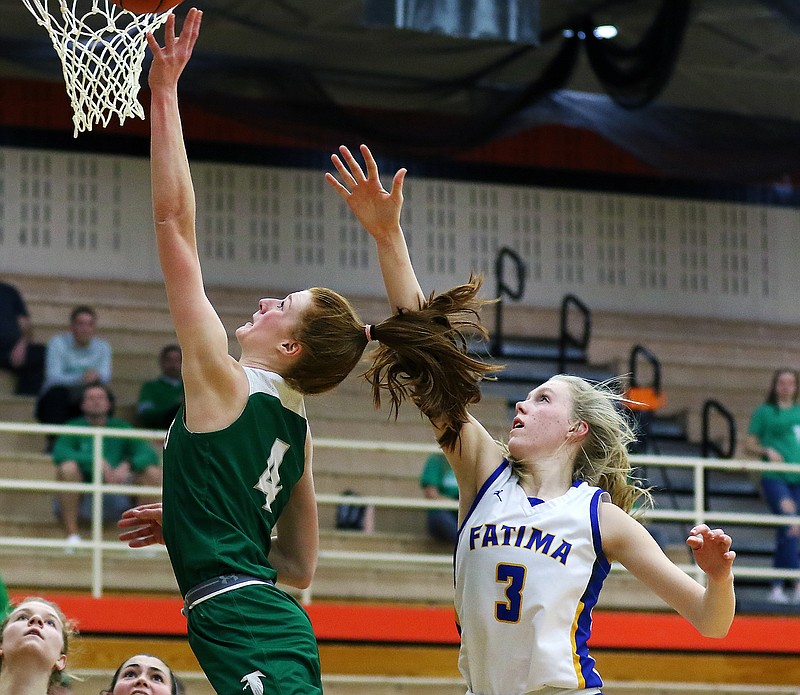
(354, 622)
(772, 634)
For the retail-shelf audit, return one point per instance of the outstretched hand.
(377, 209)
(712, 551)
(144, 523)
(169, 61)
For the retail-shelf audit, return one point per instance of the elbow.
(304, 581)
(716, 629)
(299, 574)
(171, 214)
(716, 632)
(298, 579)
(307, 572)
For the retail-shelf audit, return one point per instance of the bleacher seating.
(729, 361)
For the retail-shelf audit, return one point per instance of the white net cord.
(102, 49)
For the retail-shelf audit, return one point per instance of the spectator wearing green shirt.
(160, 398)
(774, 435)
(439, 482)
(125, 461)
(4, 605)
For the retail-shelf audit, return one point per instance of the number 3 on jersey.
(513, 576)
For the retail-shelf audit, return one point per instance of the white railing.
(97, 488)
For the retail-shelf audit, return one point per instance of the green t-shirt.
(437, 473)
(158, 402)
(779, 429)
(3, 600)
(79, 448)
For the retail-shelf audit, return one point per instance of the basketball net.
(102, 49)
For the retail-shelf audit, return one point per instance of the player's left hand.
(144, 523)
(170, 60)
(377, 209)
(712, 551)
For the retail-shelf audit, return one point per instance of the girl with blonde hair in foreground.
(541, 518)
(34, 641)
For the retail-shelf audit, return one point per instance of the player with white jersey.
(518, 554)
(536, 534)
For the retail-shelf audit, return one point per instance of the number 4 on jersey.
(269, 482)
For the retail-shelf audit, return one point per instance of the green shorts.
(257, 640)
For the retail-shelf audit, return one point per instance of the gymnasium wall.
(279, 227)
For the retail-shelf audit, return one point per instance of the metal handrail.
(698, 514)
(565, 337)
(505, 290)
(640, 351)
(708, 447)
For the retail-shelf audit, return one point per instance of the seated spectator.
(72, 360)
(4, 607)
(63, 687)
(17, 353)
(125, 461)
(439, 482)
(774, 436)
(160, 398)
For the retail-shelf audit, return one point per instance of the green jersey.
(224, 490)
(80, 448)
(779, 429)
(4, 604)
(158, 402)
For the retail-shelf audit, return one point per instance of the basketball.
(146, 6)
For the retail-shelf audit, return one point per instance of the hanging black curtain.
(634, 76)
(788, 8)
(408, 131)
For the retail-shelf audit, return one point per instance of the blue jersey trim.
(584, 627)
(597, 541)
(600, 571)
(486, 485)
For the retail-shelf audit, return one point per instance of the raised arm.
(213, 382)
(378, 210)
(711, 608)
(476, 454)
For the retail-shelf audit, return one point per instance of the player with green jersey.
(237, 462)
(223, 494)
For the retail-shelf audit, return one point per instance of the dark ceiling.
(705, 85)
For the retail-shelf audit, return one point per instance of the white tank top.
(526, 579)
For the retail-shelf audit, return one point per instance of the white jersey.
(527, 575)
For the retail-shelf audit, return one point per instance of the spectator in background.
(774, 436)
(73, 360)
(439, 482)
(125, 461)
(4, 607)
(160, 398)
(17, 353)
(63, 687)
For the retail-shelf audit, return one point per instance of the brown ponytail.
(423, 356)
